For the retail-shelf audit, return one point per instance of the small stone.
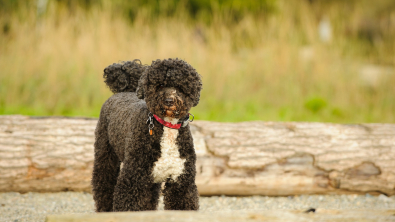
(384, 198)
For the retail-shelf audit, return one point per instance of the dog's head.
(170, 87)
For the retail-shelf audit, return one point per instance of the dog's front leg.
(131, 195)
(182, 194)
(135, 190)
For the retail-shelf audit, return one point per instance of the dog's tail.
(123, 76)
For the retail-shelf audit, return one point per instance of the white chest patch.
(169, 165)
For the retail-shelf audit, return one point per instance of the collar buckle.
(187, 120)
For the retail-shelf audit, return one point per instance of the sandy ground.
(36, 206)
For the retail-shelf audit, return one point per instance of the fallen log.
(234, 216)
(48, 154)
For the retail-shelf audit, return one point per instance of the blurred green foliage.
(260, 60)
(315, 104)
(204, 10)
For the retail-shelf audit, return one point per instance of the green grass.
(271, 70)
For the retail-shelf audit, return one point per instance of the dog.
(144, 126)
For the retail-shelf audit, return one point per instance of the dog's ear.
(140, 87)
(140, 93)
(196, 102)
(197, 94)
(196, 78)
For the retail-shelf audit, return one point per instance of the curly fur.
(122, 136)
(123, 77)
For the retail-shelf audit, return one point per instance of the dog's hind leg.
(106, 168)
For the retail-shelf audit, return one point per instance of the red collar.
(167, 124)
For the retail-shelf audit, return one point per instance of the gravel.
(36, 206)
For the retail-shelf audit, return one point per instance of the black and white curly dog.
(144, 126)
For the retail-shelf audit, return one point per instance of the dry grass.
(255, 70)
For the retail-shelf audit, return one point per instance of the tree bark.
(249, 158)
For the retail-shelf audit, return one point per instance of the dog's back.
(118, 113)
